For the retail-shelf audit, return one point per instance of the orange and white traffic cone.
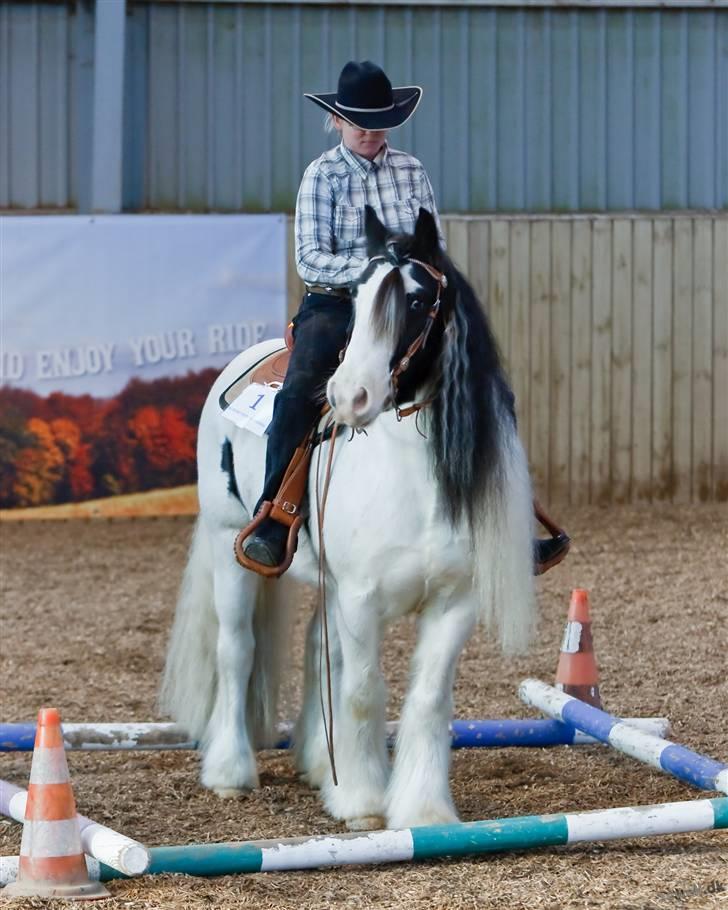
(577, 672)
(52, 863)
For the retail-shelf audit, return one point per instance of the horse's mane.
(469, 388)
(469, 403)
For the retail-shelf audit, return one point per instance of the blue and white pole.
(466, 734)
(413, 844)
(662, 754)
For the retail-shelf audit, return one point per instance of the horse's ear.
(375, 232)
(427, 240)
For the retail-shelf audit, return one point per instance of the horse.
(429, 514)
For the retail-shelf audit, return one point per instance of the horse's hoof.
(366, 823)
(428, 816)
(229, 792)
(312, 779)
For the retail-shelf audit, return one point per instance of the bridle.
(403, 364)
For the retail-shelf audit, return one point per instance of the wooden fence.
(615, 333)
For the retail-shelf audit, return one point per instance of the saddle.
(286, 507)
(270, 370)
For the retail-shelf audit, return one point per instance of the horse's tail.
(272, 653)
(189, 681)
(504, 545)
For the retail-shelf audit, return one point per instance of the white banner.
(88, 302)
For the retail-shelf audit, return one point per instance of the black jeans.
(319, 330)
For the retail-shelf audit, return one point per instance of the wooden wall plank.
(560, 370)
(478, 274)
(540, 355)
(662, 476)
(642, 361)
(621, 385)
(702, 385)
(581, 345)
(601, 406)
(446, 222)
(682, 356)
(520, 338)
(457, 244)
(720, 359)
(499, 287)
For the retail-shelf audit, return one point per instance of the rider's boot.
(268, 544)
(548, 552)
(293, 417)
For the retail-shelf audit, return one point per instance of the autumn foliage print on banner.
(66, 448)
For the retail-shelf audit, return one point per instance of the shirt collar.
(362, 165)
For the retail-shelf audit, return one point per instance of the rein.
(324, 623)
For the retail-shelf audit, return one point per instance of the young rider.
(331, 252)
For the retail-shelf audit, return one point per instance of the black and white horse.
(431, 515)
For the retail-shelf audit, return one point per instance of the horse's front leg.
(419, 790)
(360, 747)
(228, 765)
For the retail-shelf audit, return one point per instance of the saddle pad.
(269, 370)
(253, 408)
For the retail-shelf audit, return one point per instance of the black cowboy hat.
(366, 99)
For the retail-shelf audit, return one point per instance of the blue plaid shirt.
(330, 241)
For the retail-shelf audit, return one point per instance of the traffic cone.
(52, 863)
(577, 672)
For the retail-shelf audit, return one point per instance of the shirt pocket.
(403, 216)
(348, 224)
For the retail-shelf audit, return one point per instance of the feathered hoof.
(435, 814)
(312, 779)
(230, 792)
(366, 823)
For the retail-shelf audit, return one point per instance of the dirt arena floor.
(86, 609)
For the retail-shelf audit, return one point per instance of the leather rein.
(321, 497)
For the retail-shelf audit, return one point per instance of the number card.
(253, 408)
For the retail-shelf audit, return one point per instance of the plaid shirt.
(330, 241)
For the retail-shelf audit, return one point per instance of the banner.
(112, 329)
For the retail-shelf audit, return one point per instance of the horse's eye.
(416, 305)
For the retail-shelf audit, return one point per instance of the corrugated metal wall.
(524, 109)
(615, 334)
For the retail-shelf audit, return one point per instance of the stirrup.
(247, 531)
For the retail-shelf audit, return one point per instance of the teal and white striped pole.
(413, 844)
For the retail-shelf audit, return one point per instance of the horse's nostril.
(360, 401)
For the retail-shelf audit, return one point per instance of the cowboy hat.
(366, 99)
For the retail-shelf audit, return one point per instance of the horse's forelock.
(389, 307)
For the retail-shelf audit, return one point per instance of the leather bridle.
(403, 364)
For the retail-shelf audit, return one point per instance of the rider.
(331, 252)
